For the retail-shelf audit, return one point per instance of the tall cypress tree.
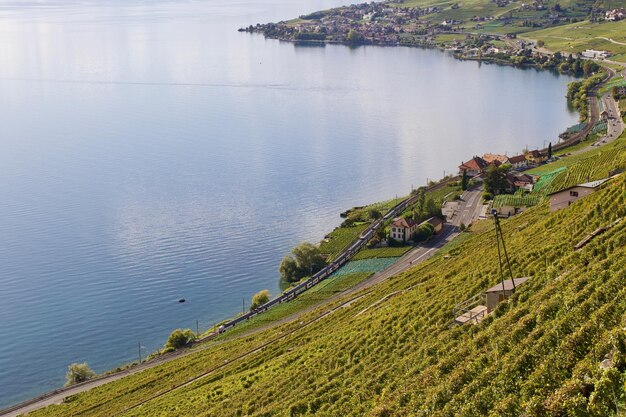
(464, 181)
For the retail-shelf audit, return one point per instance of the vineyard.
(522, 198)
(339, 239)
(394, 351)
(389, 252)
(590, 166)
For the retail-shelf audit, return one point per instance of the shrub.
(78, 372)
(179, 338)
(259, 299)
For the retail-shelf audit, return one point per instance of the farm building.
(566, 197)
(535, 157)
(502, 291)
(402, 229)
(518, 161)
(435, 222)
(475, 309)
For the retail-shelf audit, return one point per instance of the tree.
(587, 68)
(550, 150)
(432, 209)
(354, 37)
(288, 269)
(179, 338)
(374, 214)
(464, 181)
(304, 260)
(77, 373)
(495, 179)
(423, 232)
(540, 43)
(259, 299)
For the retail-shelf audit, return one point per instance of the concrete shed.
(502, 291)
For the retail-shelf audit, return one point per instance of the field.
(589, 166)
(577, 37)
(339, 239)
(392, 350)
(382, 252)
(314, 296)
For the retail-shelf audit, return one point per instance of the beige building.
(564, 198)
(502, 291)
(402, 229)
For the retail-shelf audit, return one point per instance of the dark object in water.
(182, 300)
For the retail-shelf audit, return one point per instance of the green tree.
(354, 37)
(77, 373)
(432, 209)
(259, 299)
(304, 260)
(495, 179)
(587, 68)
(464, 181)
(540, 43)
(179, 338)
(423, 232)
(550, 150)
(374, 214)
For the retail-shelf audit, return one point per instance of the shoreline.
(166, 357)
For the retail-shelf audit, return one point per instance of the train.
(328, 270)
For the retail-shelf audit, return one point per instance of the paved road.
(615, 125)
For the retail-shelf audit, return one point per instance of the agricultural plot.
(317, 294)
(339, 239)
(371, 265)
(531, 356)
(577, 37)
(382, 253)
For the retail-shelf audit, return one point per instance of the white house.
(402, 229)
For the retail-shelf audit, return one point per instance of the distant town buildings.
(474, 166)
(593, 54)
(615, 14)
(517, 162)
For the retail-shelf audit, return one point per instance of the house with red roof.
(474, 166)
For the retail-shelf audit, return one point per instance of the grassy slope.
(580, 36)
(393, 353)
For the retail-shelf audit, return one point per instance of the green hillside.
(577, 37)
(394, 350)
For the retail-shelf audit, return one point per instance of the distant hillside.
(394, 349)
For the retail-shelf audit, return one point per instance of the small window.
(573, 193)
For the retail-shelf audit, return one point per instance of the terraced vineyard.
(591, 166)
(392, 350)
(590, 169)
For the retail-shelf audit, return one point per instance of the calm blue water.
(150, 152)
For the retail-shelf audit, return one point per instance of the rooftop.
(508, 284)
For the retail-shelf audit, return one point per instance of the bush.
(487, 196)
(259, 299)
(77, 373)
(179, 338)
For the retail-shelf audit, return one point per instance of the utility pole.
(139, 351)
(243, 310)
(197, 329)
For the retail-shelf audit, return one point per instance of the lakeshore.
(137, 214)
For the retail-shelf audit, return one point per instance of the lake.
(150, 152)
